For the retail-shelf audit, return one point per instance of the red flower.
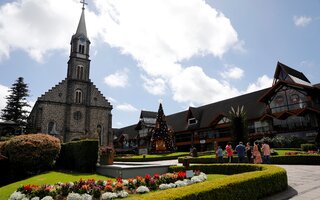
(108, 188)
(181, 175)
(147, 177)
(156, 176)
(119, 180)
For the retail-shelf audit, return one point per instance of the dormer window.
(192, 121)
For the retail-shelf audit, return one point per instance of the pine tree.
(15, 109)
(161, 139)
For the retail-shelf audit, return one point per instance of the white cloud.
(261, 83)
(232, 72)
(4, 91)
(38, 27)
(301, 21)
(194, 86)
(118, 79)
(158, 34)
(156, 86)
(126, 107)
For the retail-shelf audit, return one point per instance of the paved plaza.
(304, 183)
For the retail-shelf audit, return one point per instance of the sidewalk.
(304, 183)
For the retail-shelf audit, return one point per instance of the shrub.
(32, 153)
(259, 181)
(308, 147)
(79, 155)
(296, 160)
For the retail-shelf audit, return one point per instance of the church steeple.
(82, 30)
(79, 63)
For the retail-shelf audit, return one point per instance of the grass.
(48, 178)
(281, 152)
(178, 154)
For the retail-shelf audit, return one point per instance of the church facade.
(74, 108)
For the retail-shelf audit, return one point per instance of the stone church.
(74, 109)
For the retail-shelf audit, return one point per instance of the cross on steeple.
(83, 3)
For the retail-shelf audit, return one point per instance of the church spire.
(82, 23)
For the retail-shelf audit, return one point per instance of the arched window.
(78, 96)
(79, 72)
(52, 128)
(81, 48)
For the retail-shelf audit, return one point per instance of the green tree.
(15, 109)
(238, 121)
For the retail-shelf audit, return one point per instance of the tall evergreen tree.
(15, 109)
(238, 120)
(161, 140)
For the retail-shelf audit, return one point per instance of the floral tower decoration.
(161, 139)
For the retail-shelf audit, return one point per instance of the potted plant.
(106, 154)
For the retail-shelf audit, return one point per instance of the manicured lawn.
(48, 178)
(281, 152)
(178, 154)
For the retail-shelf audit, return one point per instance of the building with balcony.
(290, 107)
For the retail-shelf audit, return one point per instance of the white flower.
(71, 184)
(164, 186)
(172, 185)
(187, 181)
(25, 198)
(108, 195)
(17, 196)
(180, 183)
(196, 179)
(86, 197)
(134, 181)
(122, 194)
(203, 176)
(47, 198)
(35, 198)
(142, 189)
(125, 182)
(73, 196)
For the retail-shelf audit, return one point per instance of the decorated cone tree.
(161, 140)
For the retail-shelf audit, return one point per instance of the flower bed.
(121, 188)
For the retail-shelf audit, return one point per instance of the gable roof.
(296, 76)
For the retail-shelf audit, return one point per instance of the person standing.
(219, 153)
(256, 154)
(266, 152)
(241, 150)
(229, 151)
(249, 152)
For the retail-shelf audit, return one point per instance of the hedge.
(78, 155)
(313, 159)
(296, 159)
(308, 147)
(255, 182)
(205, 160)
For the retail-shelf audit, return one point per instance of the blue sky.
(182, 52)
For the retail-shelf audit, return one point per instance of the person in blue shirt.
(241, 151)
(220, 154)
